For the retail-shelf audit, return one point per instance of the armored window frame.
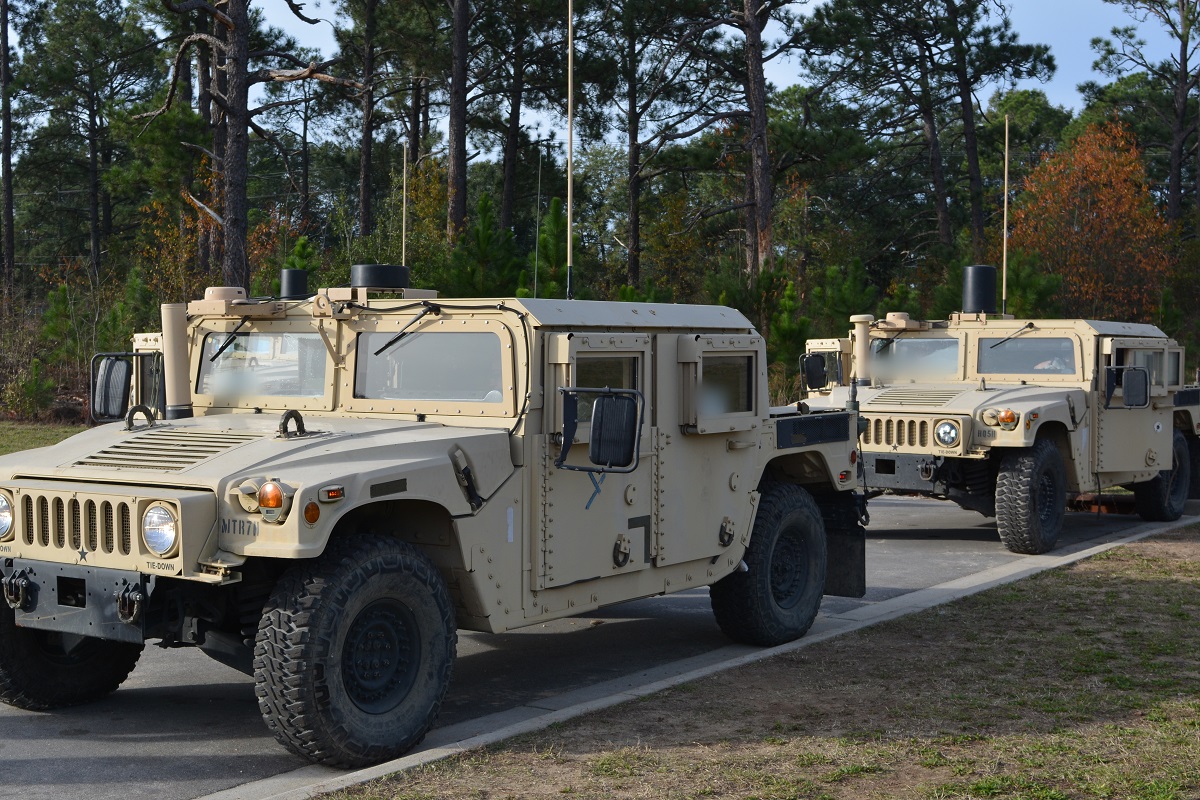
(217, 330)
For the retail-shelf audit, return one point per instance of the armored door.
(594, 525)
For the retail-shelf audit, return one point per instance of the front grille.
(166, 449)
(91, 526)
(895, 431)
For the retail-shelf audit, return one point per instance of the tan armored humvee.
(1010, 416)
(336, 484)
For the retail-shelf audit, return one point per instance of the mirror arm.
(570, 424)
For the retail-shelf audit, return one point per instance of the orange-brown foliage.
(1088, 214)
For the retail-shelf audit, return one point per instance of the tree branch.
(295, 7)
(202, 5)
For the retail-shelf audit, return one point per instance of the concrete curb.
(311, 781)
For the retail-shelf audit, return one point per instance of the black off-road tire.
(1162, 498)
(355, 651)
(1031, 498)
(777, 598)
(41, 670)
(1193, 444)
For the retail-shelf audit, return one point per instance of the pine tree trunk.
(235, 266)
(512, 137)
(8, 280)
(970, 139)
(760, 155)
(633, 268)
(93, 146)
(368, 123)
(456, 168)
(414, 122)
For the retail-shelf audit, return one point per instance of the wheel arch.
(1056, 432)
(807, 468)
(424, 524)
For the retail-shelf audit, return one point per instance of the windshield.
(272, 364)
(431, 366)
(1020, 355)
(899, 358)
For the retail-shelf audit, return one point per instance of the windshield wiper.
(1027, 327)
(884, 344)
(229, 340)
(429, 308)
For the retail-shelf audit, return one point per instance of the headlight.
(946, 434)
(159, 530)
(6, 518)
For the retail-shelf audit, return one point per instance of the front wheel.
(354, 652)
(1031, 498)
(41, 670)
(776, 599)
(1162, 498)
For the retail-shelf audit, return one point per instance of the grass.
(17, 436)
(1078, 683)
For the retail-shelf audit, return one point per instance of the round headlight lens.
(946, 433)
(6, 518)
(159, 530)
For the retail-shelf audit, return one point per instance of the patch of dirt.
(1080, 682)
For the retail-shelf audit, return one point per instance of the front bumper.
(85, 601)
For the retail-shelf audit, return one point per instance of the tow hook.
(926, 470)
(17, 591)
(129, 604)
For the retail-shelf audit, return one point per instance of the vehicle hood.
(953, 398)
(209, 452)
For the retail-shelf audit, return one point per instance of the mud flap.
(846, 572)
(845, 543)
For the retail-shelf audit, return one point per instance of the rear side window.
(727, 385)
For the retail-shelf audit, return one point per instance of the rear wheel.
(1193, 444)
(354, 652)
(776, 599)
(41, 670)
(1031, 498)
(1162, 498)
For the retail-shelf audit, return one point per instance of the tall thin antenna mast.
(537, 225)
(570, 141)
(404, 212)
(1004, 256)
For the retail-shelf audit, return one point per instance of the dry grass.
(1078, 683)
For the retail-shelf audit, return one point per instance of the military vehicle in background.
(1010, 417)
(321, 490)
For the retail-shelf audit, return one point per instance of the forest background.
(150, 149)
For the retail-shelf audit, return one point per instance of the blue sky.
(1068, 26)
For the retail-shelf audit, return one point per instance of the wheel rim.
(1047, 496)
(65, 649)
(380, 657)
(789, 570)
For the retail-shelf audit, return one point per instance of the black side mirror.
(110, 388)
(1134, 383)
(816, 376)
(616, 429)
(1136, 386)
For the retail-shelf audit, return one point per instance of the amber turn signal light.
(270, 495)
